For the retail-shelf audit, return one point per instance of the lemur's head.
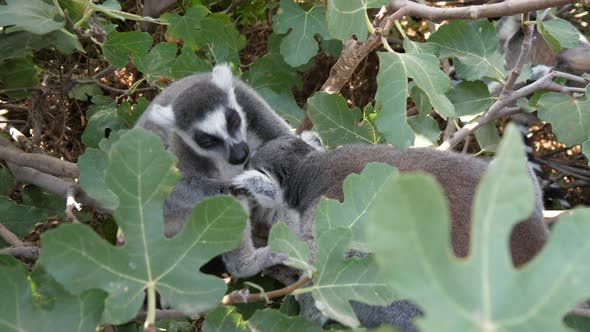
(208, 118)
(280, 156)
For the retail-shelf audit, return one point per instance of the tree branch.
(43, 163)
(23, 252)
(506, 8)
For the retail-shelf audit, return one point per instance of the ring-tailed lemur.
(212, 122)
(280, 179)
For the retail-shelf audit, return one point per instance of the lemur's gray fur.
(290, 175)
(211, 122)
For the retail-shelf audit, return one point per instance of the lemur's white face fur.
(209, 119)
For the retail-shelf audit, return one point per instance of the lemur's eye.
(207, 141)
(233, 119)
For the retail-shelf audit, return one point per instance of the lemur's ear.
(162, 115)
(312, 139)
(223, 77)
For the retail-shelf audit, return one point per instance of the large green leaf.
(360, 191)
(349, 17)
(19, 218)
(156, 65)
(558, 34)
(336, 123)
(185, 27)
(227, 319)
(390, 101)
(21, 312)
(473, 45)
(34, 16)
(140, 174)
(93, 165)
(341, 279)
(105, 120)
(484, 291)
(394, 69)
(470, 98)
(299, 45)
(119, 45)
(569, 117)
(426, 131)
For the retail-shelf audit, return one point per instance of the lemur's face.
(208, 118)
(221, 135)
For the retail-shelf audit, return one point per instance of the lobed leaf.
(336, 123)
(282, 239)
(484, 291)
(569, 117)
(185, 28)
(470, 98)
(299, 45)
(559, 34)
(33, 16)
(156, 65)
(140, 174)
(188, 63)
(119, 45)
(20, 312)
(475, 52)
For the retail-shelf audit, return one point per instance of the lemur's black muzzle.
(238, 153)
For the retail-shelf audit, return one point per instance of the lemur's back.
(458, 175)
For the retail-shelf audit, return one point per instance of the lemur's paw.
(261, 187)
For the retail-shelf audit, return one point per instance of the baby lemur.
(290, 175)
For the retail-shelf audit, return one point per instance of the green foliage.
(119, 45)
(485, 282)
(336, 123)
(475, 54)
(392, 89)
(282, 239)
(33, 16)
(349, 17)
(558, 34)
(140, 173)
(21, 311)
(228, 319)
(470, 98)
(19, 218)
(19, 73)
(186, 27)
(188, 63)
(156, 65)
(569, 117)
(299, 45)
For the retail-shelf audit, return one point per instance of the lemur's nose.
(238, 153)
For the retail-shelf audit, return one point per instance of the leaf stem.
(369, 24)
(400, 29)
(386, 44)
(150, 319)
(58, 7)
(87, 13)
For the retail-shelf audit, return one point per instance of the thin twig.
(243, 295)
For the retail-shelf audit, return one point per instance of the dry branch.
(10, 237)
(244, 296)
(40, 162)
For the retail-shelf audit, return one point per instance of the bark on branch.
(40, 162)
